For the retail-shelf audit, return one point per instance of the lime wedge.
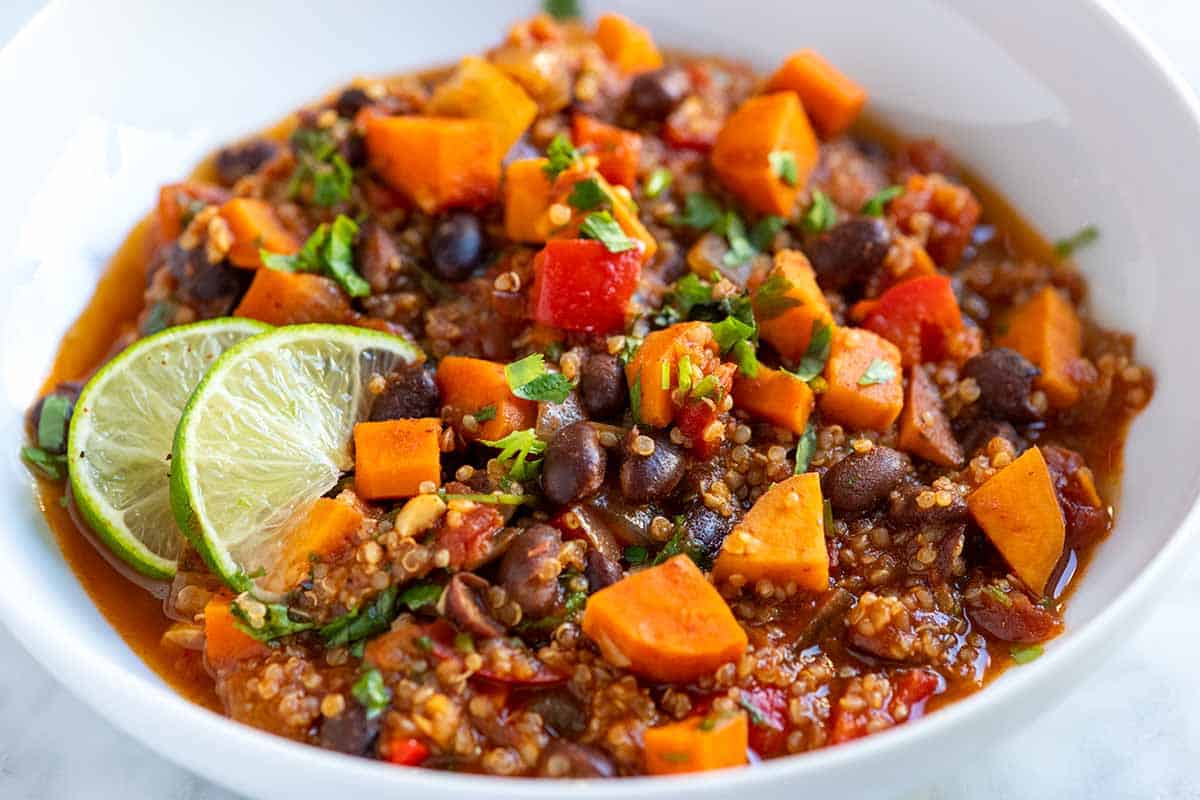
(269, 431)
(119, 444)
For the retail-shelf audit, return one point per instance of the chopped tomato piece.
(949, 210)
(922, 318)
(580, 286)
(468, 536)
(407, 752)
(906, 701)
(769, 722)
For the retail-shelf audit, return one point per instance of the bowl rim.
(67, 660)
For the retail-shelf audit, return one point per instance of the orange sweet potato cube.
(471, 385)
(627, 44)
(776, 396)
(327, 528)
(256, 226)
(393, 458)
(787, 304)
(293, 298)
(765, 152)
(479, 90)
(833, 101)
(698, 744)
(864, 380)
(1046, 330)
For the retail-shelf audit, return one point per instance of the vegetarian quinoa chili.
(738, 432)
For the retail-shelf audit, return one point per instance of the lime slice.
(269, 431)
(119, 444)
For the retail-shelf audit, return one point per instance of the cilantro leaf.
(372, 693)
(560, 156)
(762, 235)
(1023, 654)
(52, 466)
(363, 622)
(420, 595)
(821, 215)
(529, 380)
(52, 424)
(874, 207)
(812, 363)
(601, 226)
(805, 449)
(635, 400)
(878, 371)
(1064, 248)
(657, 182)
(730, 331)
(492, 499)
(635, 555)
(515, 450)
(561, 9)
(700, 211)
(772, 298)
(485, 414)
(159, 318)
(276, 623)
(730, 226)
(319, 164)
(783, 164)
(328, 251)
(587, 195)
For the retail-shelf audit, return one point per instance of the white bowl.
(1060, 105)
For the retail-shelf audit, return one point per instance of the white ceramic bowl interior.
(1057, 104)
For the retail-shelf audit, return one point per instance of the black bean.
(240, 160)
(457, 246)
(706, 529)
(654, 95)
(463, 603)
(573, 760)
(574, 464)
(1005, 379)
(351, 101)
(860, 481)
(905, 512)
(601, 571)
(211, 290)
(378, 257)
(354, 150)
(409, 394)
(349, 732)
(650, 477)
(602, 384)
(975, 437)
(561, 711)
(849, 252)
(529, 571)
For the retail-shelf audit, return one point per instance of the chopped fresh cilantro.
(485, 414)
(875, 205)
(998, 594)
(464, 642)
(601, 226)
(52, 466)
(1065, 248)
(878, 371)
(277, 622)
(1023, 654)
(657, 182)
(783, 164)
(515, 450)
(632, 343)
(587, 195)
(705, 386)
(329, 251)
(733, 229)
(772, 298)
(747, 359)
(560, 155)
(363, 622)
(372, 693)
(420, 595)
(664, 375)
(685, 373)
(425, 643)
(529, 379)
(52, 424)
(700, 211)
(805, 449)
(319, 164)
(635, 555)
(160, 316)
(730, 331)
(561, 9)
(827, 517)
(762, 235)
(635, 399)
(812, 363)
(492, 499)
(821, 215)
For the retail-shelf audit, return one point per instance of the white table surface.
(1129, 730)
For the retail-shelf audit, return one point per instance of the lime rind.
(267, 432)
(121, 434)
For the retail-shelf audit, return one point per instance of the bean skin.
(457, 246)
(1005, 379)
(411, 394)
(574, 464)
(602, 384)
(653, 476)
(849, 252)
(860, 481)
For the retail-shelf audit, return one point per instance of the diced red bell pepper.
(769, 721)
(619, 150)
(919, 316)
(910, 691)
(407, 752)
(580, 286)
